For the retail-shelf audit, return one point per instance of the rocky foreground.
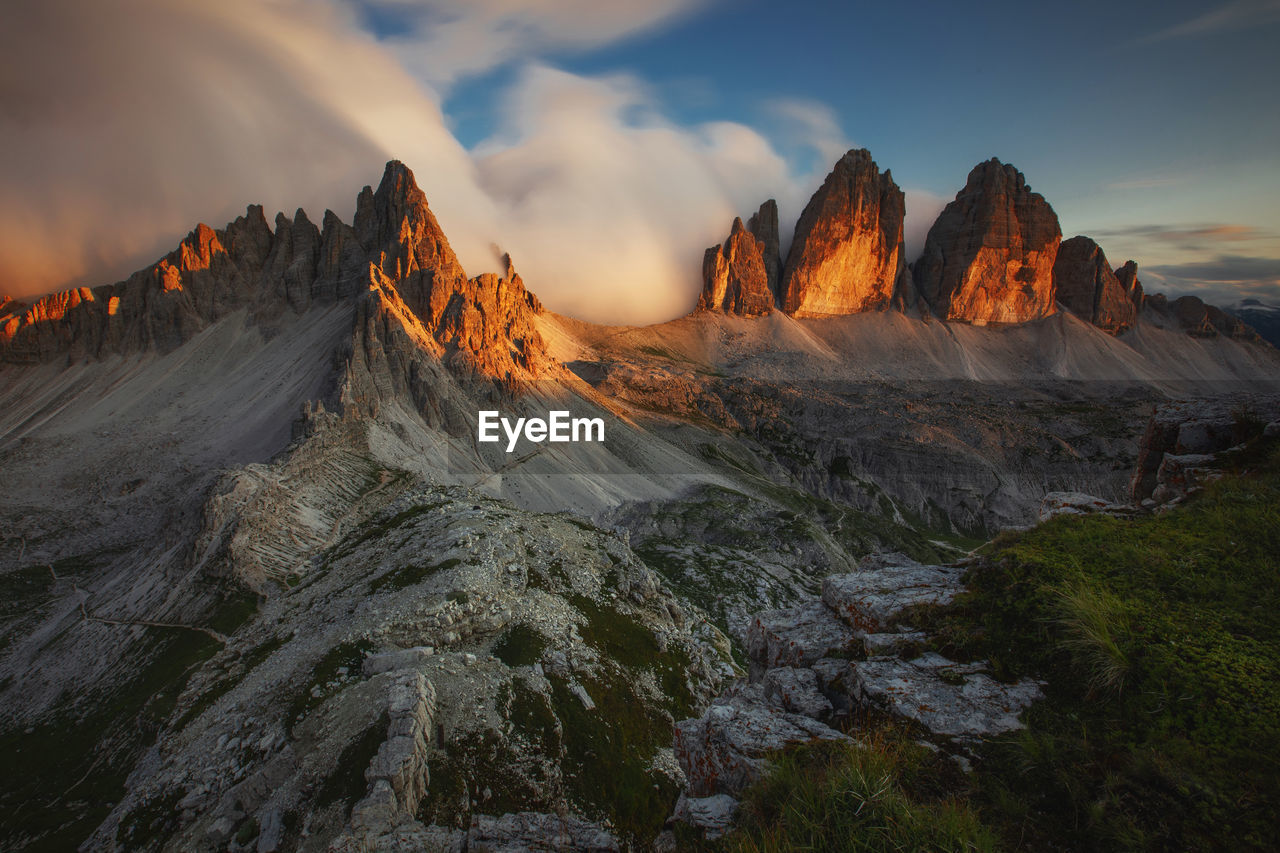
(815, 666)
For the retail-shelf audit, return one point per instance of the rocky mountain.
(395, 250)
(1127, 275)
(1198, 319)
(1085, 285)
(764, 225)
(989, 257)
(1262, 317)
(847, 254)
(735, 276)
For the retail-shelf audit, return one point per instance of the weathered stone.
(713, 815)
(533, 831)
(398, 659)
(796, 636)
(797, 691)
(1078, 503)
(947, 699)
(724, 750)
(989, 256)
(870, 600)
(847, 255)
(1086, 286)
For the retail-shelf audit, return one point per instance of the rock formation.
(989, 256)
(1086, 286)
(1127, 275)
(764, 225)
(735, 276)
(847, 255)
(395, 251)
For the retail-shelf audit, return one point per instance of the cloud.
(807, 124)
(1189, 234)
(1238, 15)
(1225, 269)
(441, 41)
(589, 170)
(153, 114)
(922, 211)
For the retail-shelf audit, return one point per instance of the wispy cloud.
(442, 41)
(809, 124)
(1214, 232)
(1225, 269)
(1237, 15)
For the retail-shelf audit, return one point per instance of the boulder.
(948, 699)
(869, 600)
(797, 636)
(713, 815)
(797, 691)
(726, 749)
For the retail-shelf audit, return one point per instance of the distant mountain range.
(1264, 318)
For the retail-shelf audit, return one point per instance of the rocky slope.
(847, 254)
(989, 256)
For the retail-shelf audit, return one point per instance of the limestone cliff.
(989, 256)
(735, 278)
(847, 255)
(1086, 286)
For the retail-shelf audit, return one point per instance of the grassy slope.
(1160, 641)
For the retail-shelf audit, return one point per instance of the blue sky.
(606, 144)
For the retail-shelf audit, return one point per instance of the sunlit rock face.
(1088, 288)
(735, 278)
(989, 256)
(847, 255)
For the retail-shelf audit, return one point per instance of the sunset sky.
(605, 144)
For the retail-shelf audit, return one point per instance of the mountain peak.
(989, 256)
(847, 255)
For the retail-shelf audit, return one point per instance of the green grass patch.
(607, 751)
(349, 655)
(520, 645)
(1160, 640)
(887, 795)
(219, 688)
(60, 776)
(347, 783)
